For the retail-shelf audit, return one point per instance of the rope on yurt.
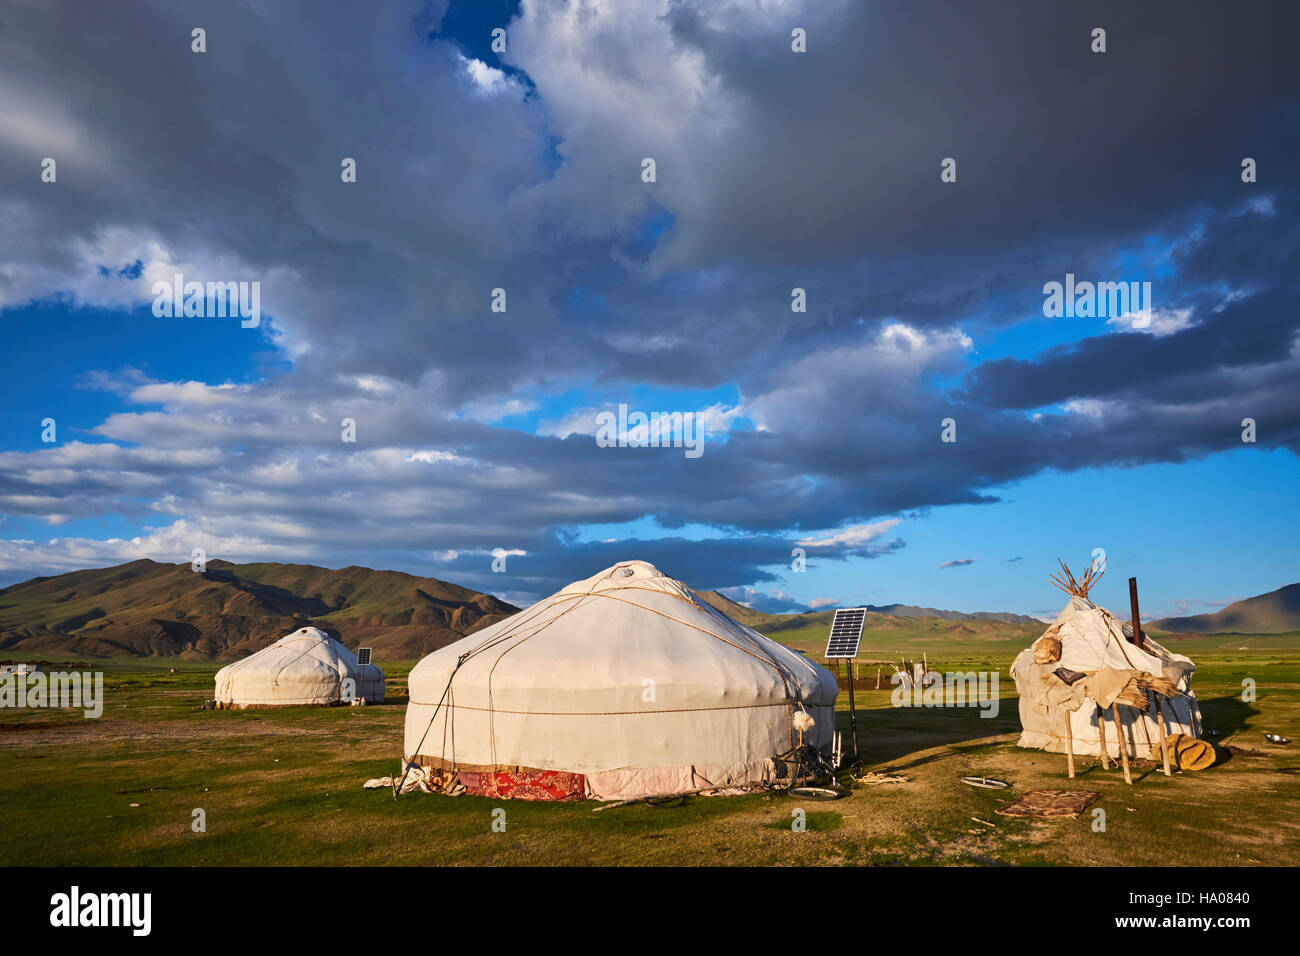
(281, 642)
(735, 627)
(312, 645)
(492, 726)
(411, 763)
(460, 662)
(495, 640)
(765, 656)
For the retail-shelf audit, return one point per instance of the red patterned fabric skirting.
(526, 784)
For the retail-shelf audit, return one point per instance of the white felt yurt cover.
(305, 667)
(627, 678)
(1093, 639)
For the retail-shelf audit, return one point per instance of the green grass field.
(284, 786)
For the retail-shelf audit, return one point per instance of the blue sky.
(522, 171)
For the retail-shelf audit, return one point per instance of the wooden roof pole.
(1133, 600)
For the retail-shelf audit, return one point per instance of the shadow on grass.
(887, 734)
(1228, 715)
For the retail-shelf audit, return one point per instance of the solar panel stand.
(853, 713)
(842, 644)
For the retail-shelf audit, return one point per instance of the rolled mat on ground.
(1189, 753)
(623, 685)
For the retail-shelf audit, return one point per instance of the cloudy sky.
(774, 170)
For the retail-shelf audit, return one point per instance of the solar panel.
(363, 656)
(846, 632)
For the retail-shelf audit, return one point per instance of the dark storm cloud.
(837, 151)
(1238, 280)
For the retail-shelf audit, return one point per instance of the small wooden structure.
(1079, 587)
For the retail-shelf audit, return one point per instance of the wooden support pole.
(1123, 744)
(877, 677)
(1069, 744)
(1160, 723)
(1101, 733)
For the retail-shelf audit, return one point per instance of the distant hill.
(144, 608)
(1273, 613)
(147, 609)
(911, 610)
(754, 619)
(885, 629)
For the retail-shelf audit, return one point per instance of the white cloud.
(854, 536)
(580, 421)
(1091, 407)
(718, 419)
(431, 455)
(172, 544)
(488, 80)
(715, 420)
(1157, 322)
(493, 410)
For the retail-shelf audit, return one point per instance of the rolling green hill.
(144, 608)
(889, 636)
(147, 609)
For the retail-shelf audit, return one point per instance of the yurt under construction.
(304, 668)
(620, 686)
(1086, 662)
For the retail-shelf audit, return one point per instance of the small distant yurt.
(1085, 661)
(621, 686)
(302, 669)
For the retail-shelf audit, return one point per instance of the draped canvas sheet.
(625, 677)
(306, 667)
(1092, 639)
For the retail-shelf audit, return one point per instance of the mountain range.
(1276, 612)
(752, 618)
(147, 609)
(144, 609)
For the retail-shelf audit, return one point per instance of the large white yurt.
(620, 686)
(304, 668)
(1087, 639)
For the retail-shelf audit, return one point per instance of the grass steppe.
(283, 787)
